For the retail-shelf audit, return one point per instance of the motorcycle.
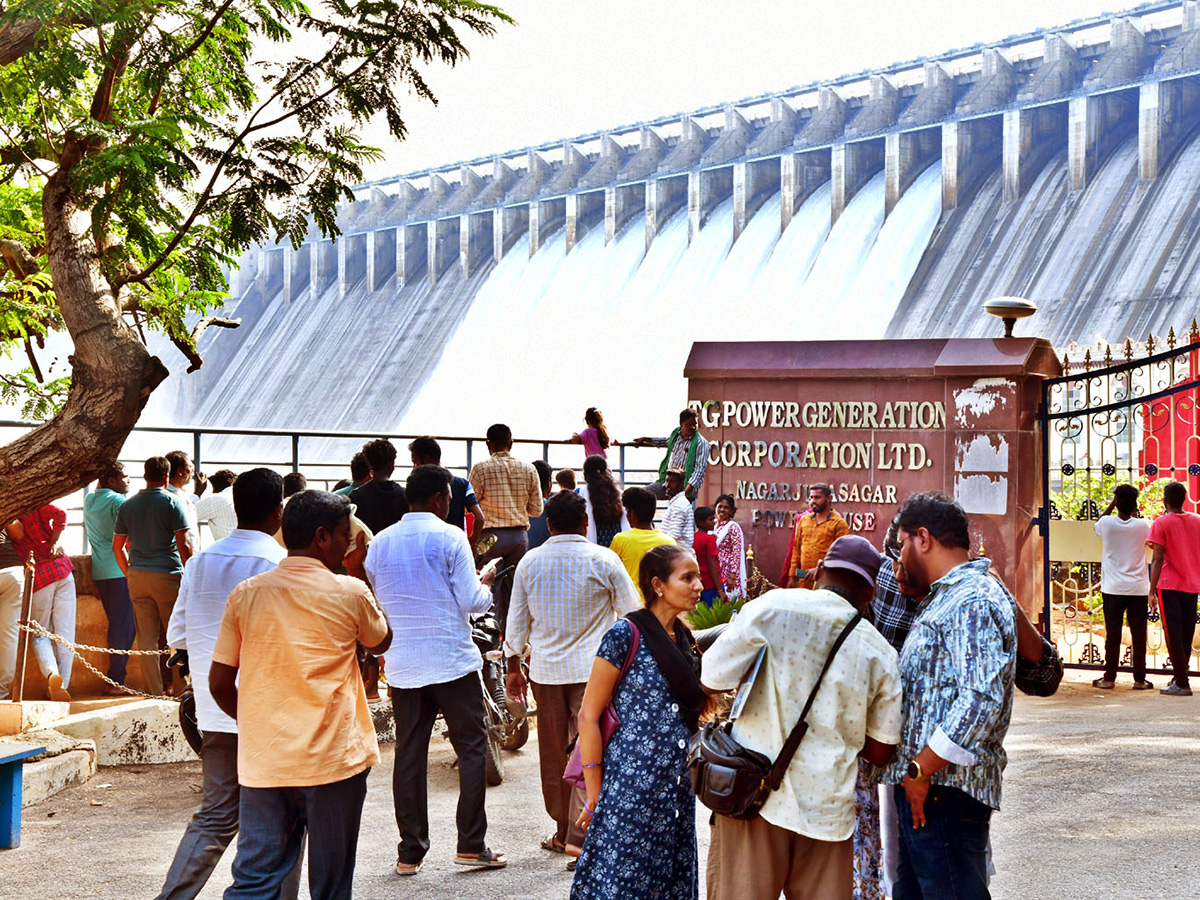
(187, 702)
(507, 729)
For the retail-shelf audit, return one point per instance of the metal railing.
(322, 456)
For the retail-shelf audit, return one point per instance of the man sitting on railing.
(687, 450)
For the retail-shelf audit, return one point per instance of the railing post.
(546, 451)
(470, 445)
(196, 450)
(295, 453)
(622, 465)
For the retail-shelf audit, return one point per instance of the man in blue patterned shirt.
(957, 670)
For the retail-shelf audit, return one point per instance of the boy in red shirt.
(705, 546)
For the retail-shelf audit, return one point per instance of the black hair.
(426, 482)
(938, 514)
(602, 491)
(641, 503)
(115, 471)
(566, 512)
(659, 562)
(294, 483)
(702, 513)
(686, 414)
(1175, 494)
(595, 419)
(545, 474)
(178, 460)
(823, 487)
(1126, 496)
(380, 455)
(728, 498)
(306, 512)
(157, 468)
(892, 538)
(426, 448)
(256, 494)
(360, 469)
(221, 479)
(499, 435)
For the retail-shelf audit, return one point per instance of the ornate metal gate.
(1135, 421)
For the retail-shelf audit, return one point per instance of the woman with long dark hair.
(606, 514)
(595, 437)
(640, 813)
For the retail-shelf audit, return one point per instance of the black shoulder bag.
(734, 781)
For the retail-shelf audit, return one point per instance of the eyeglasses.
(893, 551)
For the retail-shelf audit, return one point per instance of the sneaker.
(1143, 685)
(1174, 690)
(1104, 684)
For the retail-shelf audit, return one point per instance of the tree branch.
(17, 38)
(189, 350)
(202, 37)
(37, 370)
(18, 258)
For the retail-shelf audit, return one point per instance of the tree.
(143, 144)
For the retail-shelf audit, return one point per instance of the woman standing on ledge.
(640, 812)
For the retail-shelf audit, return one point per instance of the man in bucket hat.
(801, 844)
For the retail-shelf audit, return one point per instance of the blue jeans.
(709, 597)
(114, 596)
(947, 858)
(270, 840)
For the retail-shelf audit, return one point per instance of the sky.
(569, 68)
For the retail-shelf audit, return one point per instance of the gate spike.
(1171, 338)
(1107, 356)
(1087, 360)
(1066, 364)
(1194, 333)
(1128, 350)
(1150, 344)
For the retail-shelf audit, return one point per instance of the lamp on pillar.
(1009, 309)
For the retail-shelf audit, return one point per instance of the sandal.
(1143, 685)
(484, 859)
(551, 843)
(1103, 684)
(403, 868)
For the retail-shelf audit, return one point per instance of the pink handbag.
(609, 720)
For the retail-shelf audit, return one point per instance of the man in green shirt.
(151, 544)
(100, 509)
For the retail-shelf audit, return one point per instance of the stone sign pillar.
(879, 420)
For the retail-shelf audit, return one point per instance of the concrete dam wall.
(1062, 166)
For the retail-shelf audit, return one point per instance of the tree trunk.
(112, 373)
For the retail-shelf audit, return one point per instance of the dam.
(1061, 165)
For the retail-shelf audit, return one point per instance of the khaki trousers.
(557, 718)
(153, 596)
(755, 860)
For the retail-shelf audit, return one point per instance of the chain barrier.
(38, 630)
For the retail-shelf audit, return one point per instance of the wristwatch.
(914, 771)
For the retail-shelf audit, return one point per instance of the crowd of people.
(896, 664)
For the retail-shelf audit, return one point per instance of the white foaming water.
(609, 326)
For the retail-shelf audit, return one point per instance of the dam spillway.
(1061, 166)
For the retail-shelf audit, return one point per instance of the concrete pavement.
(1099, 802)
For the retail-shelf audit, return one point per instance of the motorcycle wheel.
(495, 763)
(516, 734)
(187, 720)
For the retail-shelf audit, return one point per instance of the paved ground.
(1100, 802)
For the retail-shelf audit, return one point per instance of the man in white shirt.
(801, 844)
(423, 573)
(566, 595)
(216, 508)
(182, 472)
(195, 622)
(1124, 585)
(678, 522)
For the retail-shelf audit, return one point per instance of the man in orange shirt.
(305, 736)
(816, 531)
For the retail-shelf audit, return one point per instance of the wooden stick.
(18, 684)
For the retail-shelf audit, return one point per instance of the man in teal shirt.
(100, 509)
